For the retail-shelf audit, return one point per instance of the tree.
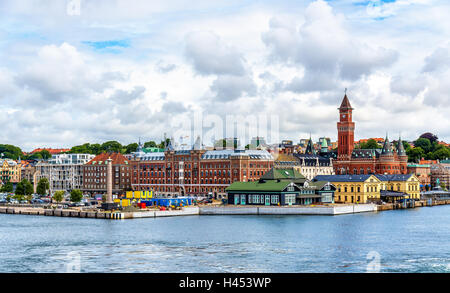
(35, 156)
(441, 154)
(24, 187)
(18, 197)
(29, 198)
(415, 154)
(45, 154)
(150, 144)
(132, 147)
(7, 187)
(58, 196)
(111, 146)
(370, 144)
(164, 144)
(431, 137)
(10, 151)
(76, 195)
(423, 143)
(42, 186)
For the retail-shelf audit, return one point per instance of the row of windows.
(259, 199)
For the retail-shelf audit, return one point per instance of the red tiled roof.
(50, 150)
(427, 162)
(377, 139)
(117, 159)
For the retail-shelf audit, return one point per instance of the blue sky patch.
(110, 44)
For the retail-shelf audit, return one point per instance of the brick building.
(197, 171)
(423, 172)
(94, 173)
(365, 161)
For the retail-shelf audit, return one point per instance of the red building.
(94, 173)
(197, 171)
(365, 161)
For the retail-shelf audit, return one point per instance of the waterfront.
(410, 240)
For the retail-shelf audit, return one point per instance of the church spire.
(400, 148)
(309, 147)
(387, 149)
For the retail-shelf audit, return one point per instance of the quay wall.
(262, 210)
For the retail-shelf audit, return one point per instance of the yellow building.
(10, 171)
(354, 188)
(404, 183)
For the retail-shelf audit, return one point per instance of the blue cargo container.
(166, 202)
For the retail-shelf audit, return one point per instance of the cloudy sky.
(76, 71)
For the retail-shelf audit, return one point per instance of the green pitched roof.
(270, 185)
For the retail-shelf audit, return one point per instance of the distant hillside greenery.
(113, 146)
(426, 146)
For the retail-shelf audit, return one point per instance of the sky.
(77, 71)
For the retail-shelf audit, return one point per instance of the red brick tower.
(346, 129)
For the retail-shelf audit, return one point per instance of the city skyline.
(109, 71)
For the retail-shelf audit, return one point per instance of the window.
(289, 199)
(274, 199)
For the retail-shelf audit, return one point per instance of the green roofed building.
(280, 187)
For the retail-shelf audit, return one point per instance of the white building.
(63, 171)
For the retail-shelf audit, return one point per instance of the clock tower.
(346, 129)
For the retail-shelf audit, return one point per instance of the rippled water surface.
(414, 240)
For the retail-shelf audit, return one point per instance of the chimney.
(109, 178)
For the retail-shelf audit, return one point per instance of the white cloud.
(291, 59)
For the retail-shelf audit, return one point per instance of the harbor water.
(410, 240)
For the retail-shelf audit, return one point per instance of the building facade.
(423, 172)
(403, 183)
(63, 171)
(311, 163)
(368, 188)
(10, 171)
(365, 161)
(280, 187)
(95, 174)
(440, 173)
(197, 171)
(353, 188)
(28, 172)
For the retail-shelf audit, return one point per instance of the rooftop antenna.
(345, 91)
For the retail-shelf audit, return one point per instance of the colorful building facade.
(423, 172)
(10, 171)
(402, 183)
(197, 171)
(353, 188)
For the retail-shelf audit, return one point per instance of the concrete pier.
(291, 210)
